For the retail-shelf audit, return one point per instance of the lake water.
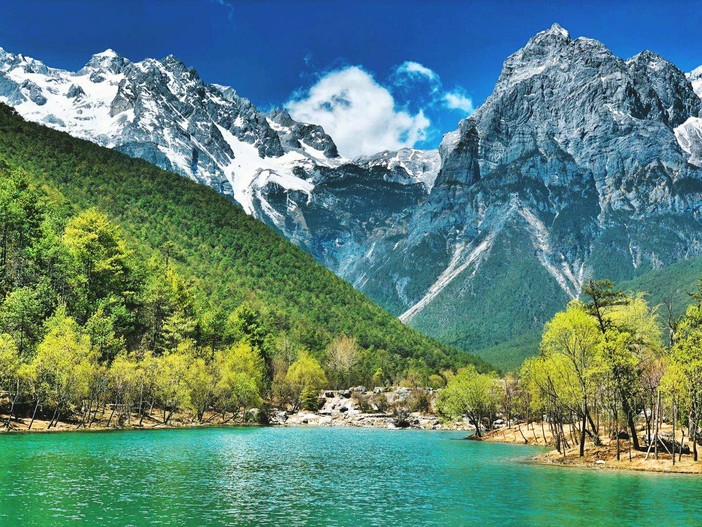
(317, 477)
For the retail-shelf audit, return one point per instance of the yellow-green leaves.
(65, 363)
(305, 377)
(471, 394)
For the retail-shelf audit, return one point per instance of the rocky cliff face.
(580, 163)
(574, 166)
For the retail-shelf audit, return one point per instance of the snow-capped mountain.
(161, 111)
(689, 133)
(579, 163)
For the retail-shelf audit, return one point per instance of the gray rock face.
(296, 135)
(571, 168)
(580, 163)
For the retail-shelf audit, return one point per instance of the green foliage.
(98, 258)
(342, 355)
(683, 377)
(602, 353)
(241, 377)
(64, 365)
(150, 260)
(10, 363)
(471, 394)
(305, 379)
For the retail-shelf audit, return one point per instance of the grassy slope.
(231, 256)
(674, 283)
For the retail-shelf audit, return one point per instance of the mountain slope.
(571, 168)
(231, 256)
(668, 286)
(579, 164)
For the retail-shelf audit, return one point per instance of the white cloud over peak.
(415, 69)
(458, 100)
(358, 113)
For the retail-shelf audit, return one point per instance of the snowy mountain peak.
(108, 53)
(646, 56)
(107, 62)
(556, 28)
(554, 35)
(579, 163)
(695, 77)
(546, 49)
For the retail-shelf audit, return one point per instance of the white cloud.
(358, 113)
(228, 6)
(457, 100)
(415, 69)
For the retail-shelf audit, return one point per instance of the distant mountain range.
(579, 164)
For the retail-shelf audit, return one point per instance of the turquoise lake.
(317, 477)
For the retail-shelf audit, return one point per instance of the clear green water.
(326, 477)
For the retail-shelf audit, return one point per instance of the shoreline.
(193, 426)
(416, 421)
(596, 457)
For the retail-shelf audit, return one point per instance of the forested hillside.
(139, 260)
(668, 288)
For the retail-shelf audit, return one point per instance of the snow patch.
(563, 275)
(689, 137)
(695, 77)
(248, 173)
(463, 257)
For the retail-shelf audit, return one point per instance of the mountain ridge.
(230, 257)
(580, 163)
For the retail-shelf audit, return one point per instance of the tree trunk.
(13, 400)
(595, 428)
(53, 417)
(630, 420)
(566, 446)
(543, 432)
(694, 440)
(34, 413)
(682, 442)
(582, 433)
(111, 414)
(616, 432)
(94, 412)
(658, 420)
(649, 415)
(141, 404)
(519, 427)
(476, 424)
(674, 433)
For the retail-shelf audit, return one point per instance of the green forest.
(126, 285)
(610, 366)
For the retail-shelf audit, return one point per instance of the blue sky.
(432, 58)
